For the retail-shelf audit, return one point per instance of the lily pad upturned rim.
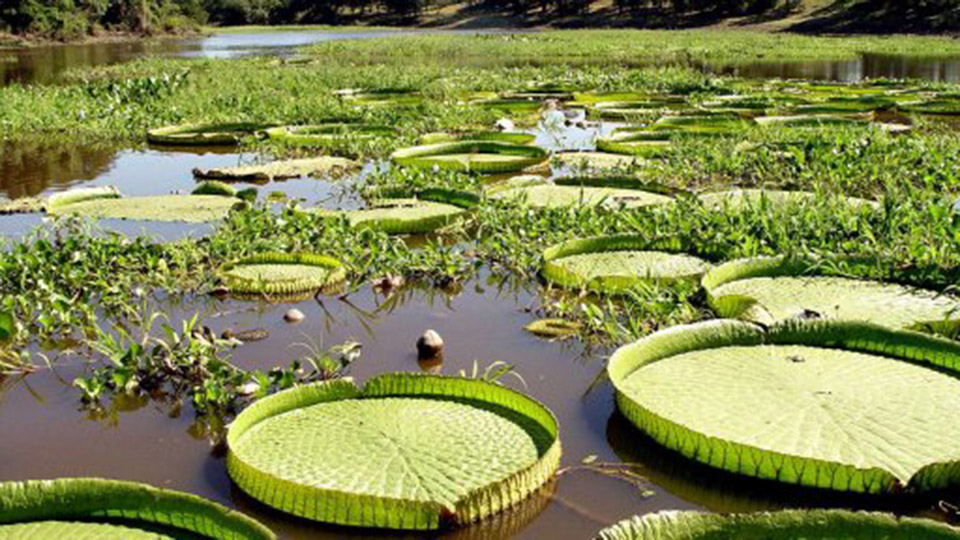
(740, 196)
(736, 306)
(557, 274)
(208, 134)
(420, 156)
(461, 204)
(336, 273)
(783, 525)
(867, 338)
(612, 181)
(295, 133)
(333, 506)
(514, 137)
(89, 499)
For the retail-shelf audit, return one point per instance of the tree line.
(74, 18)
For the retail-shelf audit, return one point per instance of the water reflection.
(867, 66)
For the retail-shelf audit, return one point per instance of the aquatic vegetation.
(282, 273)
(186, 208)
(279, 170)
(642, 144)
(204, 134)
(100, 508)
(554, 328)
(739, 198)
(214, 187)
(811, 121)
(326, 134)
(409, 212)
(616, 264)
(595, 161)
(840, 387)
(500, 136)
(770, 289)
(611, 191)
(632, 110)
(483, 157)
(491, 446)
(784, 524)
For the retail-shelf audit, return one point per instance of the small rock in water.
(255, 334)
(505, 124)
(293, 316)
(430, 345)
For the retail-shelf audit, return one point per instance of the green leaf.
(282, 273)
(46, 502)
(278, 170)
(8, 326)
(204, 134)
(408, 451)
(573, 191)
(484, 157)
(829, 404)
(770, 289)
(617, 263)
(784, 525)
(186, 208)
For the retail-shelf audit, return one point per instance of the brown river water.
(49, 434)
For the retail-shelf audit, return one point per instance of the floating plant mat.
(325, 134)
(499, 136)
(185, 208)
(782, 525)
(560, 192)
(769, 289)
(810, 121)
(407, 451)
(614, 264)
(740, 198)
(627, 110)
(72, 508)
(282, 273)
(420, 212)
(830, 404)
(597, 161)
(276, 170)
(204, 134)
(483, 157)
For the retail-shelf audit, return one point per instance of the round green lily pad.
(408, 451)
(485, 157)
(597, 161)
(627, 110)
(410, 213)
(616, 264)
(769, 289)
(933, 107)
(586, 190)
(325, 134)
(204, 134)
(783, 525)
(282, 273)
(831, 404)
(113, 509)
(499, 136)
(740, 198)
(278, 170)
(635, 144)
(186, 208)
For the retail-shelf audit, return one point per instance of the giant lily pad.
(783, 525)
(499, 136)
(112, 509)
(628, 110)
(769, 289)
(581, 190)
(407, 451)
(204, 134)
(595, 161)
(810, 121)
(933, 107)
(106, 204)
(616, 264)
(293, 168)
(282, 273)
(410, 213)
(704, 123)
(830, 404)
(326, 134)
(643, 143)
(741, 198)
(846, 105)
(484, 157)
